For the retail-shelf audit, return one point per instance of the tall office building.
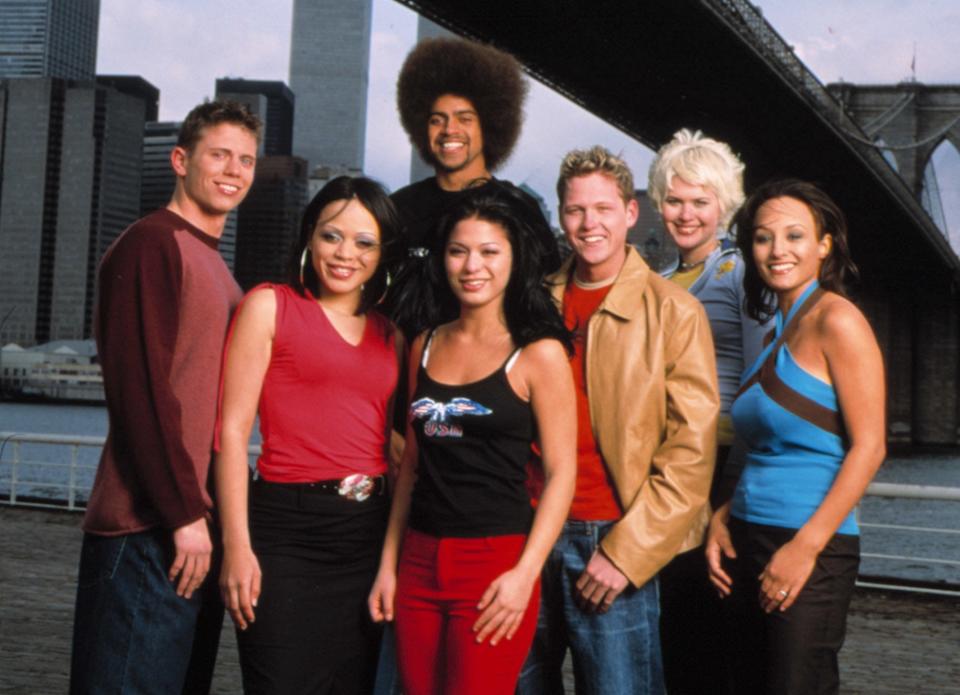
(49, 38)
(329, 66)
(69, 184)
(273, 102)
(268, 220)
(135, 86)
(156, 175)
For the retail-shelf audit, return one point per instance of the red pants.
(440, 583)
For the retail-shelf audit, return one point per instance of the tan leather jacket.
(652, 384)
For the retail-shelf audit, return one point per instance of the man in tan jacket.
(647, 417)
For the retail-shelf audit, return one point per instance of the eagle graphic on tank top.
(439, 423)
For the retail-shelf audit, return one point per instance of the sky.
(183, 46)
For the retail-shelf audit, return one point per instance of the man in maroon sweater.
(146, 621)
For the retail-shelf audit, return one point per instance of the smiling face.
(344, 249)
(215, 174)
(456, 140)
(478, 259)
(788, 248)
(691, 214)
(595, 219)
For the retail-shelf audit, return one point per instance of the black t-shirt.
(422, 204)
(474, 443)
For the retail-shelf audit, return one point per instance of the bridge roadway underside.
(651, 68)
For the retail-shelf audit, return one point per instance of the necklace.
(684, 267)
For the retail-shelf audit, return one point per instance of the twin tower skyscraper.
(329, 76)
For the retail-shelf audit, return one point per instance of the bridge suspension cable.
(878, 123)
(909, 146)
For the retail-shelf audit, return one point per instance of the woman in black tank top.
(461, 562)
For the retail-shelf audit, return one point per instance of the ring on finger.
(783, 594)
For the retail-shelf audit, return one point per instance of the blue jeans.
(613, 652)
(131, 632)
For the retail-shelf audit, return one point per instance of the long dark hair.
(837, 268)
(531, 314)
(372, 196)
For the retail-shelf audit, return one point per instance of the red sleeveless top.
(323, 407)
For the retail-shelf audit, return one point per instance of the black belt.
(356, 487)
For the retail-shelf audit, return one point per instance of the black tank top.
(474, 441)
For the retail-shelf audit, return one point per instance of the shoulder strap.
(425, 355)
(512, 360)
(781, 393)
(788, 331)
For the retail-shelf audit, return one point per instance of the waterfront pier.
(896, 642)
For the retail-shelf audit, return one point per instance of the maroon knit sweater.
(164, 301)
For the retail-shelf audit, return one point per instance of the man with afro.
(461, 103)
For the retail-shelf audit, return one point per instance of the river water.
(917, 469)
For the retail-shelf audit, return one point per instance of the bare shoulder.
(260, 304)
(544, 369)
(256, 318)
(838, 314)
(546, 353)
(840, 324)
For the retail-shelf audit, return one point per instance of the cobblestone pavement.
(896, 643)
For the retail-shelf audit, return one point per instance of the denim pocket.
(100, 558)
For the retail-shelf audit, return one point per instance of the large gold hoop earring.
(303, 264)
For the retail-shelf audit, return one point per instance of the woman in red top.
(302, 541)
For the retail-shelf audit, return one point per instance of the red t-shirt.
(594, 498)
(323, 407)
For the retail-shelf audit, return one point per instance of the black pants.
(319, 554)
(691, 619)
(793, 652)
(691, 626)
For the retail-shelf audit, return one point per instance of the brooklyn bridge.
(649, 68)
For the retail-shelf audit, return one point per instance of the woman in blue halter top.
(464, 548)
(784, 552)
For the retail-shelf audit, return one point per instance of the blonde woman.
(696, 183)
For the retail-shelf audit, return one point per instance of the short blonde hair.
(596, 160)
(700, 161)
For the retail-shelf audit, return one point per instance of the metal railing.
(64, 483)
(30, 478)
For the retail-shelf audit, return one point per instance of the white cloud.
(871, 41)
(182, 47)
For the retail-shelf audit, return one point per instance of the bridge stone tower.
(911, 119)
(919, 329)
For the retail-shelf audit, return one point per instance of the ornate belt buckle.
(356, 487)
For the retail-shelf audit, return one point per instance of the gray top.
(738, 339)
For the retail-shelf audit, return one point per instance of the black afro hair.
(489, 78)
